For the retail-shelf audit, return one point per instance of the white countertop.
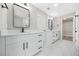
(20, 33)
(12, 32)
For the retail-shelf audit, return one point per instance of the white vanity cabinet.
(51, 37)
(25, 45)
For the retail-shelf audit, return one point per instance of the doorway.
(68, 29)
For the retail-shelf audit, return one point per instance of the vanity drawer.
(37, 44)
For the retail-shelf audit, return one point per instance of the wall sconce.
(4, 6)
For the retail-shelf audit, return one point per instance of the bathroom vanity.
(14, 42)
(21, 44)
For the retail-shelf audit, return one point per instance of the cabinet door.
(49, 37)
(33, 45)
(33, 48)
(15, 48)
(22, 44)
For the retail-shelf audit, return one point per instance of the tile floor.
(59, 48)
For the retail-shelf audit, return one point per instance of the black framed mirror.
(50, 24)
(21, 16)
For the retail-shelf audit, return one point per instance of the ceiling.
(56, 9)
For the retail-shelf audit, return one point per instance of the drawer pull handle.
(23, 46)
(39, 40)
(39, 35)
(39, 47)
(27, 45)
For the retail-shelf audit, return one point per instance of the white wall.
(39, 19)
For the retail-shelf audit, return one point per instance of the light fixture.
(56, 4)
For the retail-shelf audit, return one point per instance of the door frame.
(69, 16)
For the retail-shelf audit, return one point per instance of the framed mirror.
(21, 16)
(50, 24)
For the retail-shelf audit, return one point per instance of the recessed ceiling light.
(56, 4)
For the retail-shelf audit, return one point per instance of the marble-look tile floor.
(59, 48)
